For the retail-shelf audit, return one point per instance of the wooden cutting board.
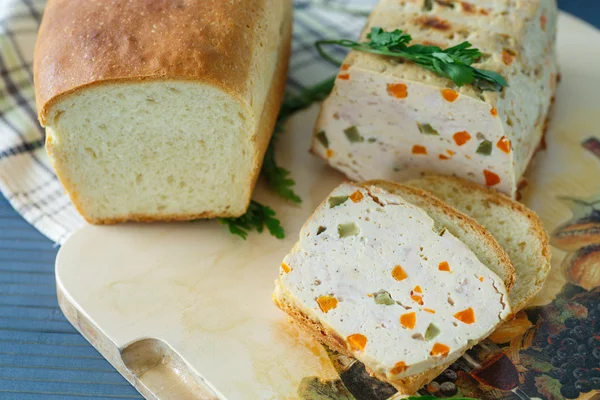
(184, 310)
(179, 307)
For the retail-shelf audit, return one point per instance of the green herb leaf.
(485, 148)
(379, 37)
(304, 99)
(428, 5)
(453, 63)
(443, 57)
(277, 176)
(464, 53)
(459, 74)
(256, 218)
(490, 76)
(426, 50)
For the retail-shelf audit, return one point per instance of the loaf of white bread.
(387, 119)
(404, 282)
(160, 110)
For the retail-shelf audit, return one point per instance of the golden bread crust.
(85, 43)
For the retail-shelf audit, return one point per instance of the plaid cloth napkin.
(26, 178)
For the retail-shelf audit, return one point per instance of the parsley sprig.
(256, 218)
(453, 63)
(279, 177)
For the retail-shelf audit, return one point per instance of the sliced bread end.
(461, 226)
(516, 228)
(465, 228)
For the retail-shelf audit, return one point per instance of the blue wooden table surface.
(41, 355)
